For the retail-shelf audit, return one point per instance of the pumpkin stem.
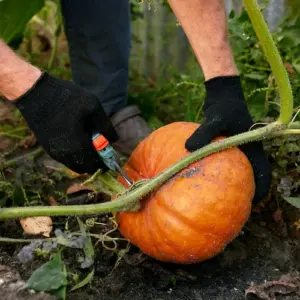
(129, 201)
(274, 59)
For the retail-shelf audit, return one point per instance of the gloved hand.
(63, 117)
(226, 114)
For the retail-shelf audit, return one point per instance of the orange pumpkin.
(193, 216)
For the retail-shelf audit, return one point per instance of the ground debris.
(286, 285)
(12, 287)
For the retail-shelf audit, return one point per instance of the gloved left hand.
(226, 114)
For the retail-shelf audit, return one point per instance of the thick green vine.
(129, 200)
(274, 59)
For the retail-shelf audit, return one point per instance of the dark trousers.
(98, 33)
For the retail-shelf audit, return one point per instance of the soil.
(255, 257)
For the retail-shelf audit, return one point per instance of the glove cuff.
(41, 101)
(44, 76)
(224, 88)
(223, 82)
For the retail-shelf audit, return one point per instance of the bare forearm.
(16, 75)
(205, 24)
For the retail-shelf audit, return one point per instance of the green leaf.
(3, 199)
(255, 76)
(291, 147)
(257, 109)
(294, 35)
(14, 15)
(19, 196)
(154, 122)
(88, 247)
(49, 276)
(297, 67)
(293, 201)
(61, 292)
(85, 281)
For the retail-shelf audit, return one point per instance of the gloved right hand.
(226, 114)
(63, 116)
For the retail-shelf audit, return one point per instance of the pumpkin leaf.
(48, 277)
(295, 201)
(85, 281)
(14, 16)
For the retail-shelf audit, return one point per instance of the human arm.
(62, 115)
(205, 25)
(16, 75)
(225, 109)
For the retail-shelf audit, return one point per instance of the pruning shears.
(108, 155)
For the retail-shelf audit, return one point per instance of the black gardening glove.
(226, 114)
(63, 117)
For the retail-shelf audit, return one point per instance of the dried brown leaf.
(277, 215)
(76, 187)
(51, 201)
(37, 225)
(5, 143)
(61, 169)
(29, 141)
(289, 68)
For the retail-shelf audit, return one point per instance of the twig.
(31, 155)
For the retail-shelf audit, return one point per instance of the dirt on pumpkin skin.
(256, 256)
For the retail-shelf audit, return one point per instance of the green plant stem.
(53, 53)
(129, 200)
(24, 241)
(294, 125)
(286, 132)
(33, 154)
(11, 133)
(274, 59)
(56, 36)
